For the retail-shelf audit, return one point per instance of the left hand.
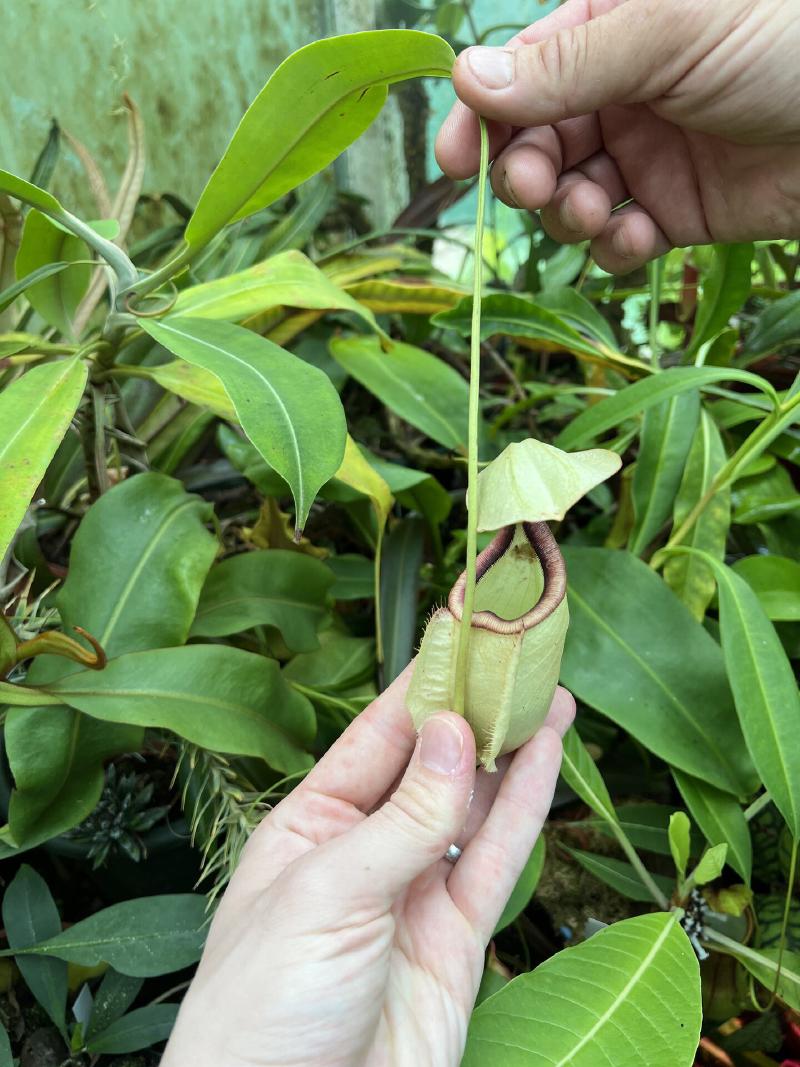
(344, 937)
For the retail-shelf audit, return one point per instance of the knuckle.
(557, 63)
(415, 812)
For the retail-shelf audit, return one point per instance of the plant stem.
(655, 274)
(459, 696)
(758, 805)
(633, 857)
(784, 925)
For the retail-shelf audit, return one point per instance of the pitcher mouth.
(554, 570)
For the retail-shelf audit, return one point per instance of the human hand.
(688, 109)
(344, 938)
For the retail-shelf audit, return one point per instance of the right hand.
(687, 107)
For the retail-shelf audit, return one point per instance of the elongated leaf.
(634, 653)
(645, 824)
(10, 294)
(218, 697)
(114, 996)
(620, 875)
(414, 384)
(355, 577)
(762, 963)
(289, 278)
(274, 587)
(142, 938)
(580, 772)
(415, 490)
(776, 582)
(28, 193)
(629, 996)
(30, 915)
(144, 535)
(137, 1030)
(720, 818)
(317, 102)
(339, 664)
(410, 296)
(525, 887)
(680, 840)
(688, 577)
(194, 384)
(764, 688)
(358, 473)
(579, 313)
(402, 559)
(280, 400)
(726, 286)
(710, 865)
(638, 397)
(35, 412)
(775, 327)
(668, 431)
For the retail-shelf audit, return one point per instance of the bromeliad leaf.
(280, 400)
(35, 412)
(317, 102)
(276, 587)
(142, 938)
(635, 1002)
(218, 697)
(412, 383)
(531, 481)
(663, 676)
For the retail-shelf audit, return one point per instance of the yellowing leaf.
(360, 475)
(415, 297)
(533, 482)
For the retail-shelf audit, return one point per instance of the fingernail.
(621, 244)
(509, 191)
(493, 67)
(567, 216)
(441, 745)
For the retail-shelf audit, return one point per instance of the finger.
(383, 854)
(458, 145)
(634, 52)
(482, 880)
(581, 206)
(631, 239)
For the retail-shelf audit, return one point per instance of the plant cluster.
(236, 460)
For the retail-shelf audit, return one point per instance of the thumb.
(423, 817)
(631, 54)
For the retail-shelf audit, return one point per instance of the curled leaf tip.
(534, 482)
(100, 658)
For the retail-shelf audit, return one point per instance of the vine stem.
(459, 696)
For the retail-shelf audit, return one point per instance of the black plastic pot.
(171, 865)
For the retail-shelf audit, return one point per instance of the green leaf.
(280, 400)
(28, 193)
(525, 887)
(194, 384)
(580, 772)
(45, 242)
(287, 279)
(531, 481)
(710, 866)
(112, 999)
(645, 825)
(620, 875)
(764, 689)
(720, 818)
(339, 664)
(10, 294)
(629, 996)
(137, 565)
(6, 1059)
(636, 398)
(775, 580)
(579, 313)
(221, 698)
(764, 496)
(30, 915)
(359, 474)
(668, 431)
(634, 653)
(776, 326)
(679, 841)
(515, 316)
(402, 559)
(421, 389)
(142, 938)
(273, 587)
(725, 289)
(317, 102)
(762, 963)
(137, 1030)
(415, 490)
(354, 577)
(35, 412)
(688, 577)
